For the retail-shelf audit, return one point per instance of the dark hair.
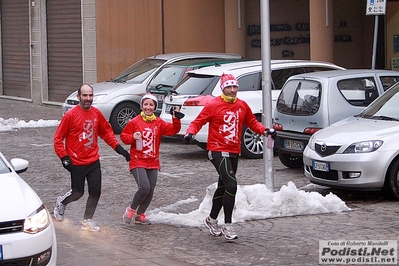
(80, 88)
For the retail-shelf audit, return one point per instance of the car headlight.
(364, 146)
(37, 221)
(97, 98)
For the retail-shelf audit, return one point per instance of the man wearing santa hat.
(226, 115)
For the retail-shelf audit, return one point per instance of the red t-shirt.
(78, 132)
(225, 124)
(151, 133)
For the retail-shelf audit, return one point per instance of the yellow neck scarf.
(147, 118)
(228, 99)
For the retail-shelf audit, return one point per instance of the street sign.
(376, 7)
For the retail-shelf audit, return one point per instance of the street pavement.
(185, 173)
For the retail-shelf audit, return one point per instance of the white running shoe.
(212, 226)
(59, 209)
(228, 232)
(90, 225)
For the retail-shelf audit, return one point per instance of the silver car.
(310, 102)
(360, 152)
(119, 99)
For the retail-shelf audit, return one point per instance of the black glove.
(178, 115)
(67, 163)
(272, 132)
(119, 149)
(188, 138)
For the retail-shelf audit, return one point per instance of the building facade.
(50, 47)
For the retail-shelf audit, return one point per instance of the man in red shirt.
(226, 116)
(76, 144)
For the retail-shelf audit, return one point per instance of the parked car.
(27, 235)
(202, 85)
(360, 152)
(169, 75)
(119, 98)
(310, 102)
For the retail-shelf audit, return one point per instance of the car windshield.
(197, 85)
(299, 98)
(385, 107)
(169, 76)
(139, 71)
(4, 168)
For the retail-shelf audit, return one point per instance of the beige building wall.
(392, 35)
(193, 25)
(126, 32)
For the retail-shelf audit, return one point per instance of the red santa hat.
(228, 80)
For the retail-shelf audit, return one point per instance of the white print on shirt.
(149, 141)
(88, 133)
(229, 130)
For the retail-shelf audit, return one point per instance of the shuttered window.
(15, 48)
(64, 47)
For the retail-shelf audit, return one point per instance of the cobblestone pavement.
(185, 173)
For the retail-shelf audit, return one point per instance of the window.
(388, 81)
(300, 98)
(250, 82)
(280, 76)
(358, 91)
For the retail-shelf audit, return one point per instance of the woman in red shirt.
(144, 133)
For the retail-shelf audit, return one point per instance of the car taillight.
(277, 126)
(198, 101)
(311, 130)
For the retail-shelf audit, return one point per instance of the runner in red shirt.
(226, 116)
(76, 143)
(143, 133)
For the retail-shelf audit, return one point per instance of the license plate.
(321, 166)
(1, 252)
(293, 145)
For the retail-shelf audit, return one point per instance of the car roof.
(188, 55)
(252, 65)
(200, 62)
(340, 73)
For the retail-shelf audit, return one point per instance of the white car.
(310, 102)
(27, 235)
(119, 99)
(202, 85)
(360, 152)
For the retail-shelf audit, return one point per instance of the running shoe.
(59, 209)
(141, 219)
(90, 225)
(128, 215)
(212, 226)
(228, 232)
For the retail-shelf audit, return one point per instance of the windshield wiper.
(162, 85)
(383, 117)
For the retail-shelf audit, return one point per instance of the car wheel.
(393, 178)
(121, 115)
(251, 144)
(290, 161)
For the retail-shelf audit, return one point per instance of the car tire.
(290, 161)
(251, 144)
(393, 179)
(121, 115)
